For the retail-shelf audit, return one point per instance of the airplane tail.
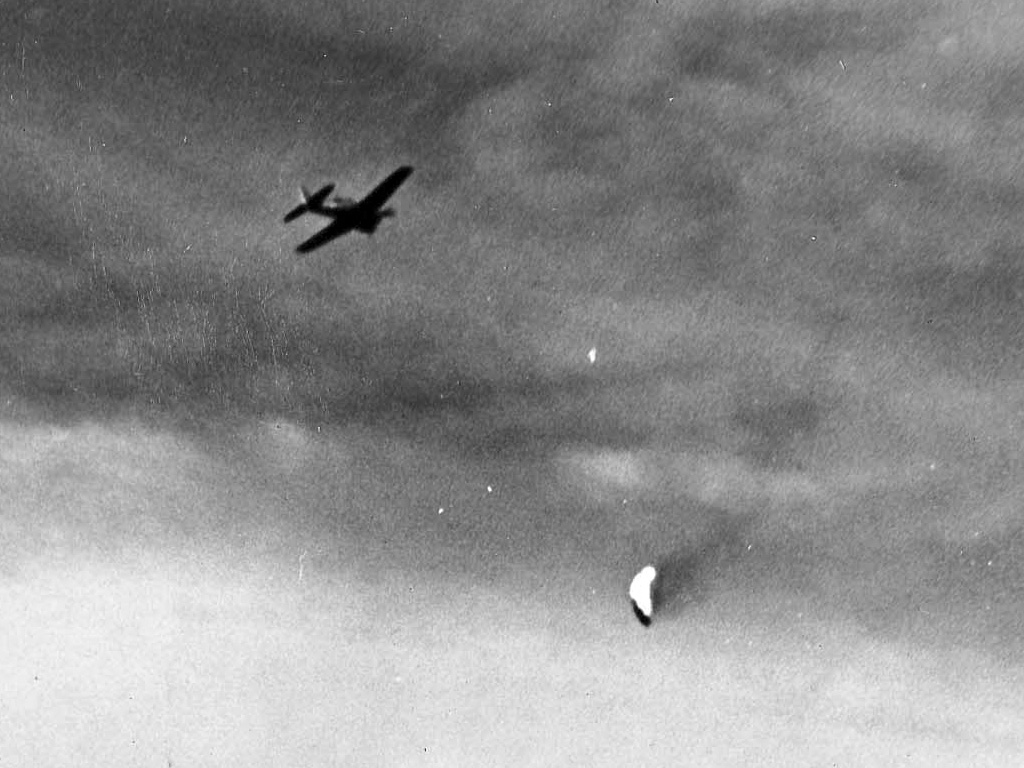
(310, 202)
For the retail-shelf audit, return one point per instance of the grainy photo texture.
(498, 383)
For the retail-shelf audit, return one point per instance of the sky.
(383, 488)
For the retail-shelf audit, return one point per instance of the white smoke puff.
(641, 594)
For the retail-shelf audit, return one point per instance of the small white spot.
(440, 510)
(489, 489)
(592, 355)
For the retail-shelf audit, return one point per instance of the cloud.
(790, 233)
(782, 247)
(143, 560)
(632, 185)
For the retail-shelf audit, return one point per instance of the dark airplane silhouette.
(362, 216)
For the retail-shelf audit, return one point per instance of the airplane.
(347, 214)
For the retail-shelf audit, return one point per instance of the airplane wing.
(336, 228)
(385, 189)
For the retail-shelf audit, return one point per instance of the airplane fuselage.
(359, 218)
